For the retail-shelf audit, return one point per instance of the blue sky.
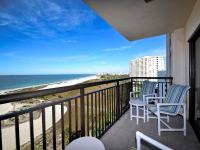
(64, 36)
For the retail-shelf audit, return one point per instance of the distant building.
(147, 66)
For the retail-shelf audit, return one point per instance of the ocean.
(8, 82)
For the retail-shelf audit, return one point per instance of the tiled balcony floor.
(122, 135)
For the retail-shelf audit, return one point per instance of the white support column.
(168, 54)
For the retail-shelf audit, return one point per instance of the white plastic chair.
(140, 136)
(169, 106)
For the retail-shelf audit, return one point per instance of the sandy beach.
(70, 82)
(8, 133)
(53, 85)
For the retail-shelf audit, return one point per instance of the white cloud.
(65, 58)
(69, 41)
(160, 51)
(121, 48)
(117, 49)
(101, 62)
(45, 18)
(6, 19)
(105, 68)
(9, 54)
(71, 58)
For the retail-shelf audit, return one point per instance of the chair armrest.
(140, 136)
(134, 92)
(170, 104)
(153, 98)
(149, 95)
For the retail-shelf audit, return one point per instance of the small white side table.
(137, 103)
(86, 143)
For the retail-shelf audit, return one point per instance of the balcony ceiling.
(136, 19)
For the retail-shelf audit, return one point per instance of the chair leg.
(147, 111)
(167, 118)
(184, 119)
(131, 112)
(158, 115)
(137, 114)
(144, 113)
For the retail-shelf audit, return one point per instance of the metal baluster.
(92, 111)
(70, 121)
(88, 128)
(96, 114)
(118, 100)
(54, 126)
(62, 126)
(31, 130)
(102, 110)
(17, 136)
(76, 115)
(112, 105)
(105, 99)
(82, 111)
(43, 128)
(1, 145)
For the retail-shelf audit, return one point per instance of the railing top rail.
(32, 94)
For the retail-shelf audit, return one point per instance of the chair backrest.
(147, 88)
(176, 94)
(171, 93)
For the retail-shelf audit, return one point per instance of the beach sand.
(51, 97)
(70, 82)
(8, 133)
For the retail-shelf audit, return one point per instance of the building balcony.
(98, 109)
(122, 135)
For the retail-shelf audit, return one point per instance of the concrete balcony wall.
(193, 20)
(178, 56)
(178, 48)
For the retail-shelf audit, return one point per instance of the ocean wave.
(53, 85)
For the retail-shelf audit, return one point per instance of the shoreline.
(69, 82)
(53, 84)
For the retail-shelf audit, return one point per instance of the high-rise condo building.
(147, 66)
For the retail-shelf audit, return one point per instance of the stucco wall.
(180, 48)
(178, 56)
(193, 20)
(191, 25)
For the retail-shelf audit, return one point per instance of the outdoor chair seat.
(163, 109)
(169, 106)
